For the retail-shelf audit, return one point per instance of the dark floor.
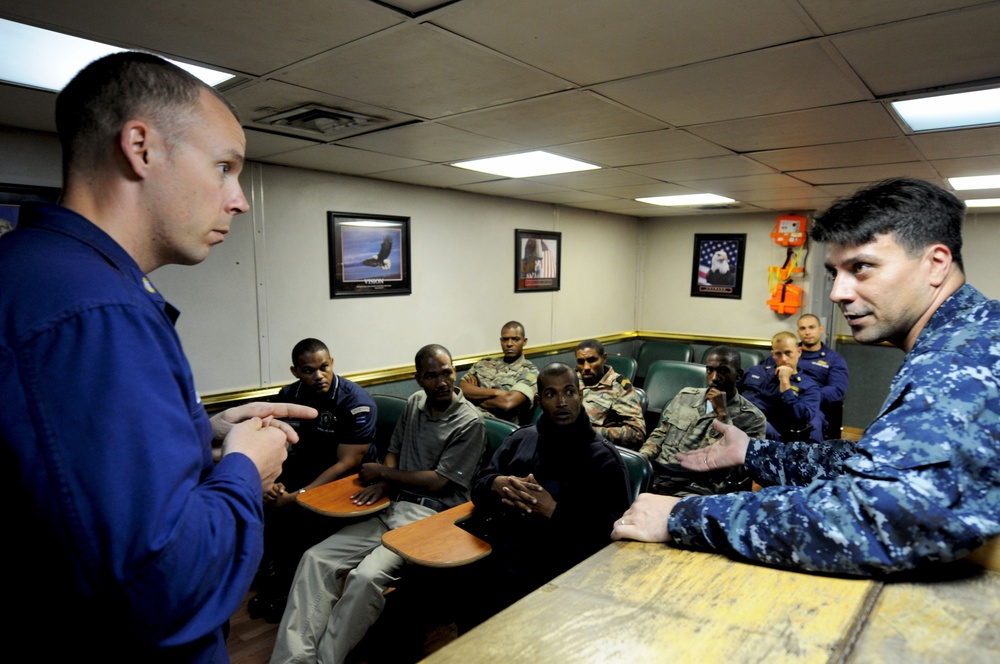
(252, 640)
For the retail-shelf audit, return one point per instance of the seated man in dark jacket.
(549, 496)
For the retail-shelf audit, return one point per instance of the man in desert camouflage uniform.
(504, 387)
(921, 485)
(686, 425)
(608, 397)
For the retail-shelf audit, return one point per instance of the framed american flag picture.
(717, 269)
(537, 256)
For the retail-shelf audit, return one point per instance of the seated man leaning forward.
(788, 398)
(687, 425)
(503, 387)
(921, 486)
(549, 496)
(608, 397)
(433, 455)
(330, 446)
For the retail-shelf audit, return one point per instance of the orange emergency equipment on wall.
(786, 297)
(790, 231)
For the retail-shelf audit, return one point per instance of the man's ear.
(294, 372)
(939, 261)
(135, 142)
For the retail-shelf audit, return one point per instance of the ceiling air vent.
(316, 121)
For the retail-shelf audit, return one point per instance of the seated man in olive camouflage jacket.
(608, 397)
(687, 425)
(504, 387)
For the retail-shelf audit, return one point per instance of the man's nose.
(840, 292)
(238, 203)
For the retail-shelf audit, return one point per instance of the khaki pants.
(323, 621)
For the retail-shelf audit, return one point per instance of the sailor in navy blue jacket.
(789, 399)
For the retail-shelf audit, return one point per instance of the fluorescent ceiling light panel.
(526, 165)
(687, 199)
(963, 109)
(983, 202)
(975, 182)
(49, 60)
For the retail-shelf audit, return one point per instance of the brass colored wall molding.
(394, 374)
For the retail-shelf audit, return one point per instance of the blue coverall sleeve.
(124, 471)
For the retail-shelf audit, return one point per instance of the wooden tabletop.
(334, 499)
(633, 602)
(436, 541)
(949, 614)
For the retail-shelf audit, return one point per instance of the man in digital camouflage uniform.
(921, 486)
(504, 387)
(687, 425)
(608, 397)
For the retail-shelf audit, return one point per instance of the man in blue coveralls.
(128, 542)
(789, 399)
(825, 366)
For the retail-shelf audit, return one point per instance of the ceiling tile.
(263, 144)
(568, 196)
(341, 160)
(646, 190)
(434, 175)
(796, 204)
(774, 80)
(801, 191)
(966, 166)
(864, 174)
(832, 16)
(234, 34)
(700, 169)
(959, 143)
(605, 177)
(835, 124)
(556, 119)
(510, 187)
(422, 71)
(590, 41)
(834, 155)
(645, 148)
(943, 49)
(734, 186)
(432, 142)
(627, 207)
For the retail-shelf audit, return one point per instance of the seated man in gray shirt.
(686, 425)
(433, 455)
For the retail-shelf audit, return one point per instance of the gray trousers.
(323, 622)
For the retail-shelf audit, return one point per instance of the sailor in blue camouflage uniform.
(923, 483)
